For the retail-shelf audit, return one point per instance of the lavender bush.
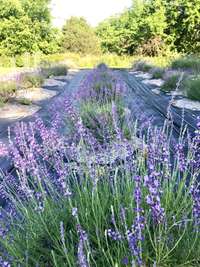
(76, 200)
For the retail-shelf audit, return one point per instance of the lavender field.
(97, 188)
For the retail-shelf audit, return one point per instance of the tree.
(152, 27)
(25, 27)
(183, 19)
(79, 37)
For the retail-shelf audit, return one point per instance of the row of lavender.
(99, 193)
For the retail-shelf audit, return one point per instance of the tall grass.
(192, 63)
(7, 90)
(78, 61)
(192, 87)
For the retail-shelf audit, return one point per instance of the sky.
(93, 10)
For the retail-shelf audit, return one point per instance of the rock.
(17, 111)
(156, 91)
(144, 75)
(52, 82)
(35, 94)
(176, 93)
(187, 103)
(156, 82)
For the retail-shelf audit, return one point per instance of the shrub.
(19, 62)
(157, 73)
(60, 70)
(142, 66)
(153, 47)
(192, 63)
(7, 90)
(31, 80)
(99, 120)
(24, 101)
(170, 83)
(192, 87)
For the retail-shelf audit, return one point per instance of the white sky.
(93, 10)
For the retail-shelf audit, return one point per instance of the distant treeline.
(149, 27)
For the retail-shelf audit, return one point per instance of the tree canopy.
(153, 25)
(26, 27)
(79, 37)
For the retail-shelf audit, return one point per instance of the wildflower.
(153, 198)
(62, 234)
(83, 239)
(74, 212)
(3, 150)
(182, 163)
(195, 192)
(125, 261)
(114, 235)
(134, 235)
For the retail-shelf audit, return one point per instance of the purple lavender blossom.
(115, 235)
(3, 150)
(195, 192)
(153, 198)
(182, 161)
(134, 235)
(83, 240)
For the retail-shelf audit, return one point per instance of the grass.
(7, 90)
(170, 83)
(141, 65)
(191, 63)
(24, 101)
(59, 70)
(31, 80)
(79, 61)
(157, 73)
(79, 202)
(192, 88)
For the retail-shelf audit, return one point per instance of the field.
(107, 194)
(99, 133)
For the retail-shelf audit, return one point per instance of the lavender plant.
(76, 201)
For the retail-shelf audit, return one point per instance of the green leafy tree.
(183, 20)
(152, 27)
(25, 27)
(79, 37)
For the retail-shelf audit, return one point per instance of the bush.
(31, 80)
(99, 120)
(192, 63)
(142, 66)
(7, 90)
(157, 73)
(60, 70)
(171, 83)
(192, 88)
(24, 101)
(19, 62)
(153, 47)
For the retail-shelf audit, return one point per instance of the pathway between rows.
(69, 84)
(145, 101)
(142, 100)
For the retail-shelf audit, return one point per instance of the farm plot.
(103, 192)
